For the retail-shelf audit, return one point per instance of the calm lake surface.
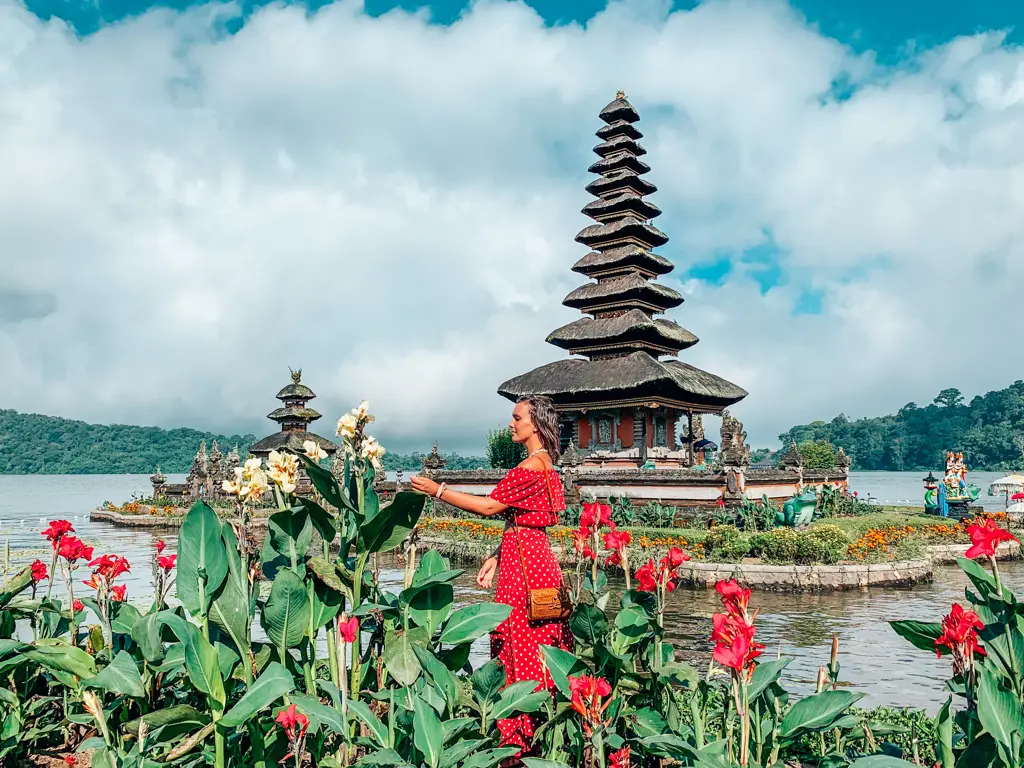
(873, 659)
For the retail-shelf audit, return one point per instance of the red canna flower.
(595, 516)
(160, 546)
(619, 759)
(117, 593)
(347, 629)
(960, 636)
(616, 540)
(295, 724)
(587, 695)
(38, 571)
(167, 562)
(985, 537)
(110, 566)
(677, 557)
(613, 559)
(70, 760)
(78, 605)
(721, 501)
(734, 597)
(645, 580)
(580, 539)
(57, 530)
(72, 549)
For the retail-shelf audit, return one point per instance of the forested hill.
(989, 430)
(33, 444)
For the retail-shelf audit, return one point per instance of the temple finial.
(296, 375)
(620, 94)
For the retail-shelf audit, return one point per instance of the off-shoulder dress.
(534, 498)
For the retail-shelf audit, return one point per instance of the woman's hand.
(424, 485)
(485, 578)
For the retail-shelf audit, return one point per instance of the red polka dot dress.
(535, 498)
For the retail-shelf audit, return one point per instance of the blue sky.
(884, 26)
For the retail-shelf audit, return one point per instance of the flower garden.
(91, 679)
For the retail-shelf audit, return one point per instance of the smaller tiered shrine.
(294, 416)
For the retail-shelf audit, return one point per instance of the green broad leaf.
(325, 483)
(764, 675)
(459, 751)
(174, 658)
(439, 675)
(386, 529)
(519, 698)
(428, 736)
(430, 606)
(489, 758)
(681, 673)
(633, 623)
(275, 682)
(378, 731)
(323, 521)
(920, 634)
(227, 659)
(201, 556)
(399, 658)
(285, 617)
(561, 665)
(325, 606)
(536, 762)
(668, 745)
(272, 561)
(15, 585)
(999, 710)
(326, 573)
(168, 723)
(290, 533)
(455, 729)
(123, 617)
(816, 712)
(488, 681)
(201, 659)
(944, 736)
(983, 581)
(104, 758)
(881, 761)
(588, 623)
(230, 607)
(648, 722)
(384, 757)
(119, 676)
(473, 621)
(62, 657)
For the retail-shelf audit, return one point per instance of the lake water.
(873, 658)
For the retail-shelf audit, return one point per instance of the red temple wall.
(625, 433)
(585, 433)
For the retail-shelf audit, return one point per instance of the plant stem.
(332, 640)
(71, 603)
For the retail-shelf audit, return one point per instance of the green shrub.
(502, 452)
(823, 544)
(725, 543)
(778, 546)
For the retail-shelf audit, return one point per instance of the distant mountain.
(33, 444)
(989, 430)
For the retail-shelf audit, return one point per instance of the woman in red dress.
(529, 497)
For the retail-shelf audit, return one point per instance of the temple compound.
(622, 395)
(209, 471)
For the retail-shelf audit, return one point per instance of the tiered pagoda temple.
(621, 403)
(294, 416)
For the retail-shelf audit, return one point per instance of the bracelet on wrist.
(440, 490)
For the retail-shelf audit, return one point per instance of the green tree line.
(34, 444)
(989, 430)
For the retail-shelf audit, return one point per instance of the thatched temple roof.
(621, 335)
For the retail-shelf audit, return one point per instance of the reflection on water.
(873, 659)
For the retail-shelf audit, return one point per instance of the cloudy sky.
(194, 198)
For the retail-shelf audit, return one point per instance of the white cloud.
(391, 205)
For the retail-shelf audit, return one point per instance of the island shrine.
(622, 395)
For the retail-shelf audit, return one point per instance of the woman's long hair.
(545, 418)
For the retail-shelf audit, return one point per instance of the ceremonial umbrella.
(1009, 484)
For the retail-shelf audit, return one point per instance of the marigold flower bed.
(881, 540)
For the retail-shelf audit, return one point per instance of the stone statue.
(791, 459)
(196, 479)
(214, 471)
(799, 510)
(433, 461)
(734, 451)
(842, 460)
(158, 479)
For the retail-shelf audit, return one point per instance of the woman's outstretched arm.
(478, 505)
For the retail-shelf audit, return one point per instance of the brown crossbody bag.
(550, 603)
